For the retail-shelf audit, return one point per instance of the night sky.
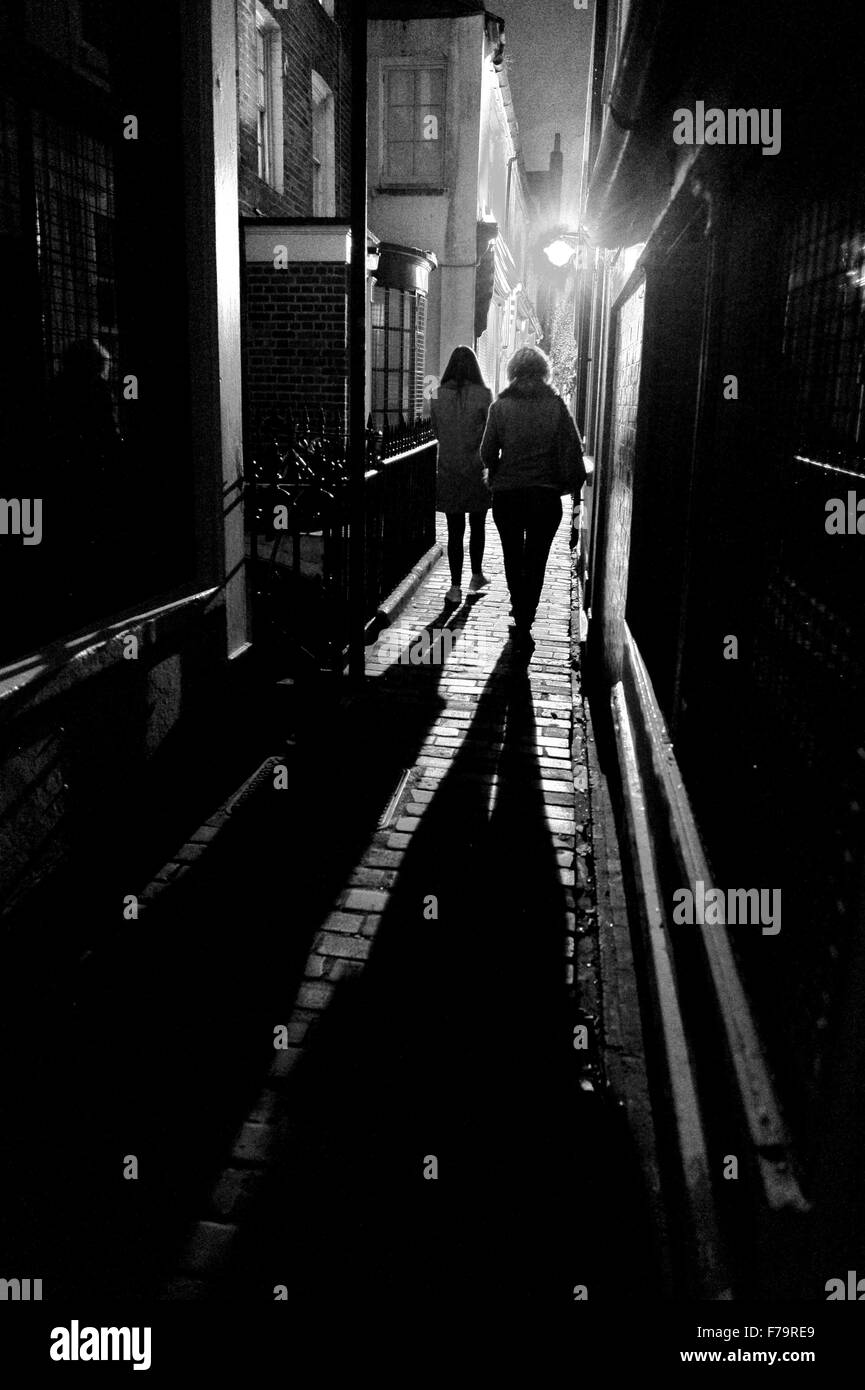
(547, 47)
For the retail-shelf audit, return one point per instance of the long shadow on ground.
(156, 1047)
(455, 1044)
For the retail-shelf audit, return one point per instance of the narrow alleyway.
(431, 961)
(436, 1019)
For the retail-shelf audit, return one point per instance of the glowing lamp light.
(559, 252)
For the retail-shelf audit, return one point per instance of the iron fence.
(400, 506)
(299, 526)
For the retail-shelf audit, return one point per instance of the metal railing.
(713, 1085)
(400, 506)
(299, 526)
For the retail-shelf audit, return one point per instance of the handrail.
(706, 1273)
(760, 1103)
(398, 498)
(758, 1116)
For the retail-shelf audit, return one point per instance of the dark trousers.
(456, 531)
(527, 519)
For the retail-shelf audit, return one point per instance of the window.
(413, 143)
(323, 174)
(268, 94)
(824, 333)
(262, 73)
(327, 6)
(75, 230)
(398, 355)
(10, 185)
(93, 386)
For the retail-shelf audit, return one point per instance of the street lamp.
(565, 247)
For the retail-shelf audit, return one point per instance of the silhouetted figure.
(85, 484)
(458, 416)
(533, 454)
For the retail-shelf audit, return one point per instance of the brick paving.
(327, 1008)
(437, 1012)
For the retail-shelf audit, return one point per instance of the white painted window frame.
(414, 62)
(323, 111)
(267, 25)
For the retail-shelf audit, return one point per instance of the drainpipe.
(357, 358)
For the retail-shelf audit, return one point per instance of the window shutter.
(419, 354)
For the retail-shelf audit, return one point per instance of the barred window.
(75, 228)
(10, 191)
(824, 330)
(94, 385)
(398, 355)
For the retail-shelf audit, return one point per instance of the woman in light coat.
(459, 415)
(533, 453)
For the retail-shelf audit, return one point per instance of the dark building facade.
(84, 147)
(120, 416)
(294, 108)
(722, 337)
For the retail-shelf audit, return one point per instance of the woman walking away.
(458, 416)
(533, 454)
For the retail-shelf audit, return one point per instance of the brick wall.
(311, 40)
(296, 325)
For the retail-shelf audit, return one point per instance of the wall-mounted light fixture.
(565, 247)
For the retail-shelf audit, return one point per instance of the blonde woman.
(532, 453)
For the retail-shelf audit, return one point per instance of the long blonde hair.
(528, 362)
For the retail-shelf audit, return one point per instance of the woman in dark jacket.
(533, 454)
(459, 414)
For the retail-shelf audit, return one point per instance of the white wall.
(440, 222)
(512, 211)
(479, 146)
